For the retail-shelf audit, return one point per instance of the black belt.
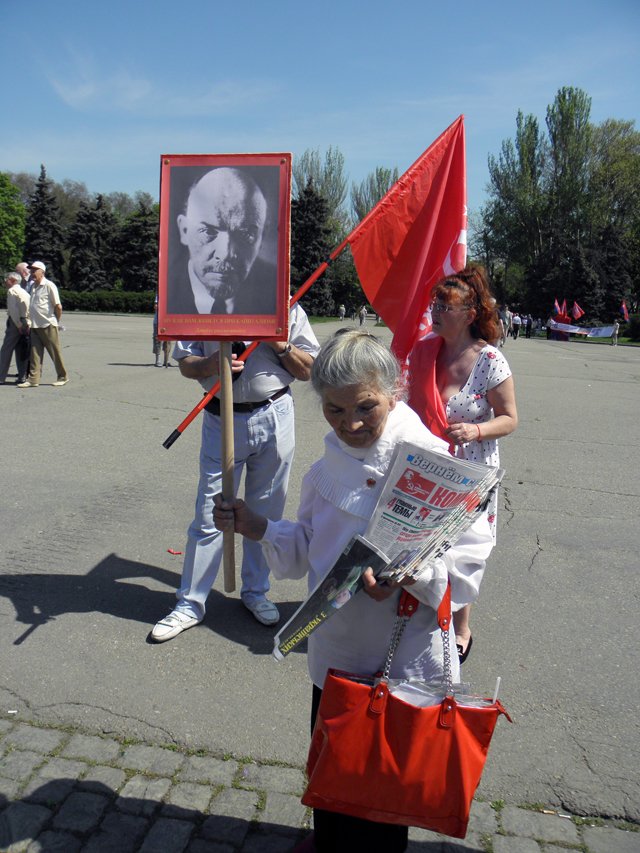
(213, 406)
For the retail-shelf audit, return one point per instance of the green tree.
(92, 240)
(44, 236)
(561, 219)
(329, 180)
(137, 249)
(12, 220)
(310, 246)
(569, 158)
(366, 194)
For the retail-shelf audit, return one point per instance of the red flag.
(563, 310)
(414, 236)
(556, 307)
(624, 311)
(577, 311)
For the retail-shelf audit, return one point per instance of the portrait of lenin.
(223, 238)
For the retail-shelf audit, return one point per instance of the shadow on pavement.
(110, 587)
(66, 816)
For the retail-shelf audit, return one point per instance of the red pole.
(299, 294)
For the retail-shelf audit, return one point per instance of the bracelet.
(479, 438)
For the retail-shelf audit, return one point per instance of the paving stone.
(472, 843)
(199, 768)
(104, 780)
(95, 749)
(118, 833)
(416, 833)
(202, 846)
(54, 781)
(504, 844)
(55, 842)
(271, 843)
(528, 824)
(33, 739)
(151, 759)
(19, 765)
(602, 839)
(286, 780)
(168, 836)
(142, 796)
(283, 810)
(231, 813)
(8, 789)
(81, 812)
(186, 800)
(483, 819)
(19, 824)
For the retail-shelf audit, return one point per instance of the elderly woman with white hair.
(358, 382)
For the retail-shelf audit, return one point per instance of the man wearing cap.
(45, 311)
(16, 337)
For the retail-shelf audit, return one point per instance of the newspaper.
(429, 499)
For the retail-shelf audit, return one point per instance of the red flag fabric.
(624, 311)
(556, 307)
(577, 311)
(414, 236)
(563, 309)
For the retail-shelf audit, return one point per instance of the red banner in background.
(414, 236)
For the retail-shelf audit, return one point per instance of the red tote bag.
(377, 757)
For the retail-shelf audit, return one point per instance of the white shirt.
(44, 298)
(18, 305)
(264, 373)
(336, 503)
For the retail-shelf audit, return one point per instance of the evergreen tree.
(92, 237)
(12, 219)
(310, 246)
(137, 248)
(44, 238)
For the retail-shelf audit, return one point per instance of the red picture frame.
(223, 271)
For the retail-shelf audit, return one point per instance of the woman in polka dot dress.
(461, 385)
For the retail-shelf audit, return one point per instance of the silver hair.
(13, 276)
(352, 357)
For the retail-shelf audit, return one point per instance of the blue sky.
(97, 92)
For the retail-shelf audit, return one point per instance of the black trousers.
(338, 833)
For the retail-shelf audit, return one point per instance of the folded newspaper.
(429, 499)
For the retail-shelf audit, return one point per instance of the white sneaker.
(264, 611)
(172, 625)
(60, 382)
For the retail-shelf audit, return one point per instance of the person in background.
(23, 269)
(358, 382)
(614, 336)
(161, 349)
(45, 312)
(528, 325)
(462, 387)
(16, 336)
(516, 323)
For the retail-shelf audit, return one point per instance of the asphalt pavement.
(92, 508)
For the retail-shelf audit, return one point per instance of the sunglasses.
(441, 308)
